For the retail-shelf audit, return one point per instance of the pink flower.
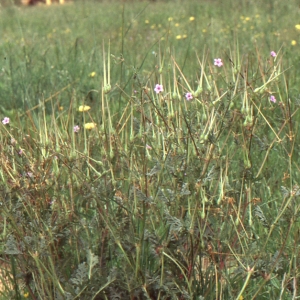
(148, 147)
(29, 174)
(5, 121)
(158, 88)
(188, 96)
(272, 99)
(218, 62)
(20, 152)
(273, 53)
(76, 128)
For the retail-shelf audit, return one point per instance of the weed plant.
(149, 151)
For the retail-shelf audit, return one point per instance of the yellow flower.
(93, 74)
(170, 19)
(178, 37)
(89, 126)
(297, 26)
(293, 43)
(184, 36)
(192, 18)
(146, 21)
(84, 108)
(26, 295)
(241, 297)
(204, 30)
(177, 24)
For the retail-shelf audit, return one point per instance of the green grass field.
(150, 150)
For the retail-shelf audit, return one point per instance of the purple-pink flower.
(273, 53)
(76, 128)
(218, 62)
(188, 96)
(272, 99)
(5, 121)
(158, 88)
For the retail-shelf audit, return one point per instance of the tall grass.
(110, 190)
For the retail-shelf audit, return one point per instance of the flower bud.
(175, 96)
(107, 88)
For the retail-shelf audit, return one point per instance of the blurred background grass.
(46, 48)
